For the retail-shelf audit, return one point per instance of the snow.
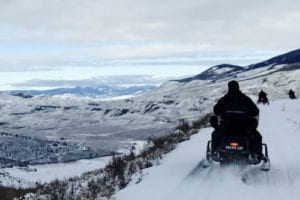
(179, 175)
(132, 146)
(27, 176)
(50, 172)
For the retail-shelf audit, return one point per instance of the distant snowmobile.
(234, 148)
(262, 98)
(263, 101)
(292, 94)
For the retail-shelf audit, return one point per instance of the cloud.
(182, 21)
(55, 33)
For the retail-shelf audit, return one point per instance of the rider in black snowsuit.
(262, 97)
(237, 111)
(292, 94)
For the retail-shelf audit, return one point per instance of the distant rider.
(262, 97)
(237, 109)
(292, 94)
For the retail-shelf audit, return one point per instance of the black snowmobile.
(263, 100)
(234, 148)
(292, 94)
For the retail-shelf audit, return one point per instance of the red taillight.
(234, 144)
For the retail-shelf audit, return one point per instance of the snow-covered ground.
(180, 177)
(28, 176)
(50, 172)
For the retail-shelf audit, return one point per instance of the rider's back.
(237, 112)
(235, 106)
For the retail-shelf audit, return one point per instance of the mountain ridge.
(228, 70)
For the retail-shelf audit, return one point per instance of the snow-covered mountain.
(191, 97)
(216, 72)
(276, 76)
(224, 71)
(287, 58)
(63, 122)
(100, 91)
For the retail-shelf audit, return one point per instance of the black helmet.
(233, 86)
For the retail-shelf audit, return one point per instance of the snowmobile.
(234, 148)
(292, 94)
(263, 100)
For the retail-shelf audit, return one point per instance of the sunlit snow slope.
(180, 177)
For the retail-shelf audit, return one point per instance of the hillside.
(179, 175)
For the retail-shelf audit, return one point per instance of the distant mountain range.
(216, 73)
(93, 92)
(227, 70)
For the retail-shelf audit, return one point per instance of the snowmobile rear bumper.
(237, 156)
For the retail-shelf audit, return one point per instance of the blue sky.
(46, 42)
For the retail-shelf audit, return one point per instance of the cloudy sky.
(51, 42)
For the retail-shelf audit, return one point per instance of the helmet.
(233, 86)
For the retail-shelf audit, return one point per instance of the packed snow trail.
(180, 177)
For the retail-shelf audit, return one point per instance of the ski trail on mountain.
(180, 176)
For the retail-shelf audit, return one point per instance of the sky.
(64, 42)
